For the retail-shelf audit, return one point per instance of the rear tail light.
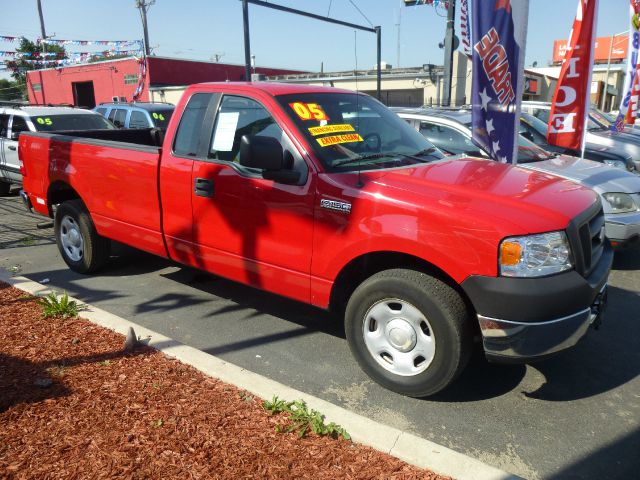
(23, 171)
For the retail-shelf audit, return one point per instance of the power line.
(365, 17)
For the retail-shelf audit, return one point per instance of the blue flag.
(499, 37)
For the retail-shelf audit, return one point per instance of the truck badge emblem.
(343, 207)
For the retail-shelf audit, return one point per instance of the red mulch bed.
(110, 414)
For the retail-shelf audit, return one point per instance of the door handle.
(203, 187)
(11, 147)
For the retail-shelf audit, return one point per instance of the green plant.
(302, 419)
(105, 363)
(28, 241)
(52, 306)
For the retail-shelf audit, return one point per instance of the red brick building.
(90, 84)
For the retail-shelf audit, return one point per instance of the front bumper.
(523, 319)
(623, 229)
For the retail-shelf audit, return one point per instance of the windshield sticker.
(44, 121)
(341, 127)
(309, 111)
(225, 131)
(158, 116)
(335, 139)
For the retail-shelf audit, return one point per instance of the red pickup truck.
(325, 196)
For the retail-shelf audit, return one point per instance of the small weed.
(57, 370)
(158, 423)
(28, 241)
(26, 297)
(14, 269)
(246, 396)
(105, 363)
(302, 419)
(52, 306)
(156, 386)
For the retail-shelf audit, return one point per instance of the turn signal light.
(510, 253)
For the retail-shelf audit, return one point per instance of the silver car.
(619, 190)
(598, 135)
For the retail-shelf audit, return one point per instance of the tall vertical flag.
(499, 35)
(632, 60)
(572, 98)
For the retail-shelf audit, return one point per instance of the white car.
(450, 131)
(15, 119)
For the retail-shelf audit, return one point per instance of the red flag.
(571, 100)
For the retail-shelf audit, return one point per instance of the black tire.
(90, 251)
(443, 322)
(5, 187)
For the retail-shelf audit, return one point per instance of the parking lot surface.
(576, 415)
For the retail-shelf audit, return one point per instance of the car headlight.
(535, 255)
(616, 164)
(620, 202)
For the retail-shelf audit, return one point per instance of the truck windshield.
(77, 121)
(354, 131)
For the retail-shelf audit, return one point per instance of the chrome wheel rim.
(71, 238)
(399, 337)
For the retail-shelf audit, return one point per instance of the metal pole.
(42, 32)
(448, 52)
(606, 76)
(247, 46)
(379, 56)
(142, 6)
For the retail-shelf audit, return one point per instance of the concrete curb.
(407, 447)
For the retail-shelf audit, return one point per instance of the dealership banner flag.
(632, 108)
(499, 32)
(572, 98)
(632, 60)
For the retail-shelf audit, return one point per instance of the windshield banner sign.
(632, 60)
(571, 100)
(499, 34)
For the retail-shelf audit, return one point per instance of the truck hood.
(522, 200)
(602, 178)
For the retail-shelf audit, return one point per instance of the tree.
(9, 90)
(32, 51)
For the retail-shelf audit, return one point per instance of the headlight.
(616, 164)
(620, 202)
(535, 255)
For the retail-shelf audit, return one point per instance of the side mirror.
(265, 153)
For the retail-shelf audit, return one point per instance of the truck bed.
(116, 171)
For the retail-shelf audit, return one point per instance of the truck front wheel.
(409, 331)
(82, 249)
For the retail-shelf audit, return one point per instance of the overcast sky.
(200, 29)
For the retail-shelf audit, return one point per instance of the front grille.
(586, 235)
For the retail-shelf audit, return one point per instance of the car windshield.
(161, 117)
(543, 115)
(353, 131)
(537, 124)
(600, 117)
(71, 121)
(529, 152)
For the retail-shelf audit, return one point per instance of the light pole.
(606, 78)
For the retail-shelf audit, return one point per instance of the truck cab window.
(188, 135)
(4, 125)
(238, 116)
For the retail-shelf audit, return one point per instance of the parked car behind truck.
(16, 119)
(137, 114)
(325, 196)
(450, 131)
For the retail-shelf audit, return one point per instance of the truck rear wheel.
(82, 249)
(409, 332)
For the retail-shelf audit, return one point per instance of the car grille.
(586, 235)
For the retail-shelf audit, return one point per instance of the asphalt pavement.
(574, 416)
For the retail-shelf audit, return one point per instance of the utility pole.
(143, 6)
(449, 47)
